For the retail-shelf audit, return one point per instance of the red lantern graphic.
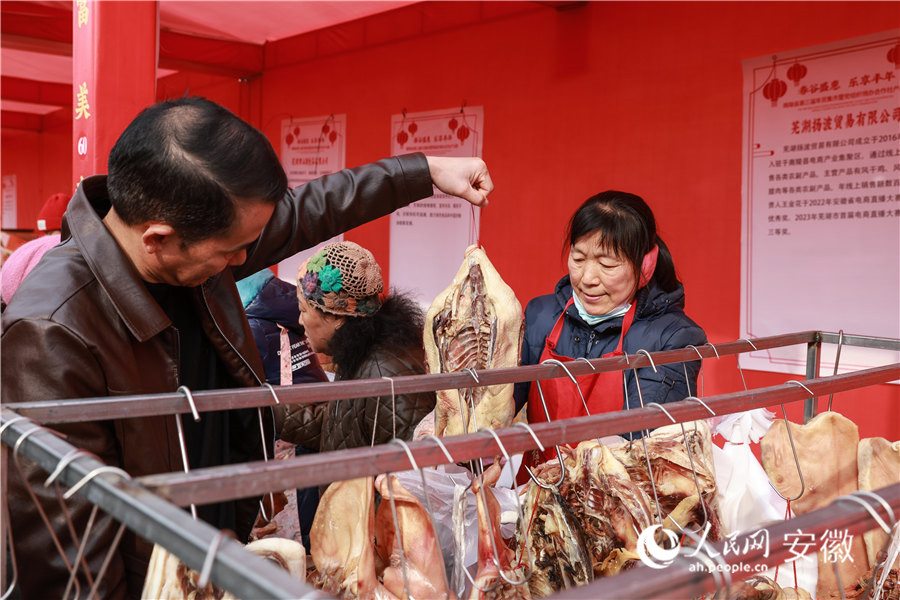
(774, 90)
(325, 128)
(452, 123)
(413, 128)
(332, 136)
(796, 73)
(296, 131)
(289, 139)
(462, 133)
(893, 56)
(402, 137)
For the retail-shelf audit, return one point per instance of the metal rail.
(212, 484)
(144, 405)
(679, 580)
(235, 569)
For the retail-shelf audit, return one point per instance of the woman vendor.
(621, 295)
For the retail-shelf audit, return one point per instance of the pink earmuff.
(648, 265)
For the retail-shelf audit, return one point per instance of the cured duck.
(476, 323)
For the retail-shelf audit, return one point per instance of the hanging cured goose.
(170, 579)
(879, 466)
(476, 323)
(827, 453)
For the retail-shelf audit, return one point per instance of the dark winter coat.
(659, 324)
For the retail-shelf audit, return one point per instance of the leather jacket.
(83, 324)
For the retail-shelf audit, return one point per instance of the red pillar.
(114, 56)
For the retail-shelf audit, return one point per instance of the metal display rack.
(150, 505)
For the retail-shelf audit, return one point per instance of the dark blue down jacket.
(659, 324)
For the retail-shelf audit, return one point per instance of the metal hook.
(531, 431)
(702, 403)
(572, 377)
(262, 438)
(43, 514)
(837, 359)
(559, 456)
(650, 358)
(106, 561)
(12, 556)
(887, 507)
(64, 462)
(179, 428)
(272, 389)
(637, 381)
(713, 347)
(787, 426)
(441, 445)
(491, 525)
(593, 368)
(190, 398)
(690, 454)
(852, 497)
(15, 419)
(430, 512)
(209, 559)
(472, 373)
(738, 359)
(89, 476)
(701, 369)
(800, 383)
(80, 553)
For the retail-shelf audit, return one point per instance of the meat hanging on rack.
(476, 323)
(170, 579)
(827, 457)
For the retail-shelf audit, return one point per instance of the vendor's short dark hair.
(186, 162)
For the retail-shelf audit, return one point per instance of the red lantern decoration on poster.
(796, 73)
(893, 56)
(413, 128)
(452, 123)
(462, 133)
(402, 137)
(774, 90)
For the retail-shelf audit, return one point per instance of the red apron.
(602, 391)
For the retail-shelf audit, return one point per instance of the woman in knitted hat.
(368, 336)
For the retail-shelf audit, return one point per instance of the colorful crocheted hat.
(342, 279)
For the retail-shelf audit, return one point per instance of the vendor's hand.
(467, 178)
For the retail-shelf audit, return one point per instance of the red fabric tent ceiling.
(218, 37)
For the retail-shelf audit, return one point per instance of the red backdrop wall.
(639, 96)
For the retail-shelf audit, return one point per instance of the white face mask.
(595, 319)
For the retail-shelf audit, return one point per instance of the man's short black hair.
(185, 162)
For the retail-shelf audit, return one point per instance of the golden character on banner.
(82, 12)
(82, 108)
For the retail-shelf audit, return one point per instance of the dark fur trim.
(397, 324)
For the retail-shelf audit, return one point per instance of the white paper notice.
(821, 199)
(311, 148)
(9, 216)
(429, 237)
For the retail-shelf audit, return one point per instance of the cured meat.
(673, 475)
(342, 541)
(760, 587)
(475, 323)
(424, 565)
(613, 509)
(489, 584)
(170, 579)
(827, 452)
(879, 466)
(551, 540)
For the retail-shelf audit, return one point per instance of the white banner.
(310, 148)
(821, 199)
(429, 237)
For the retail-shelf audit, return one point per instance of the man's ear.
(156, 236)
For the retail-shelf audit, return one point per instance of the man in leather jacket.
(140, 298)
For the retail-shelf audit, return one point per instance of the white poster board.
(310, 148)
(9, 215)
(821, 199)
(429, 237)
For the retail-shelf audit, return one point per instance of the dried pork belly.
(879, 466)
(341, 541)
(551, 540)
(760, 587)
(489, 584)
(170, 579)
(475, 323)
(613, 509)
(827, 451)
(422, 560)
